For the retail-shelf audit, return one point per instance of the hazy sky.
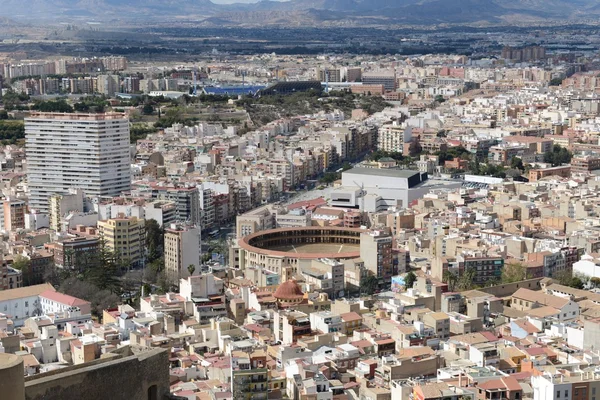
(239, 1)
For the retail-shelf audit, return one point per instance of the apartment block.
(125, 236)
(76, 151)
(182, 250)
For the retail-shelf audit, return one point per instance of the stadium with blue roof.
(232, 90)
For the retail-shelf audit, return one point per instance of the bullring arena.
(279, 250)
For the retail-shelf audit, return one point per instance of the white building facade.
(68, 151)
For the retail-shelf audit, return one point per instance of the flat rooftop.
(387, 172)
(77, 116)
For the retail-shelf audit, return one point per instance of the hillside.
(417, 12)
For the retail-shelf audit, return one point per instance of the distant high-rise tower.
(69, 151)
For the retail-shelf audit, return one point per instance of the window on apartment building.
(558, 394)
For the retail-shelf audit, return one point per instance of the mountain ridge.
(415, 12)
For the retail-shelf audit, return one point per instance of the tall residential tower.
(69, 151)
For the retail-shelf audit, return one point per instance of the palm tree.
(466, 280)
(191, 269)
(451, 279)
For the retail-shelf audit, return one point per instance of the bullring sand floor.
(317, 248)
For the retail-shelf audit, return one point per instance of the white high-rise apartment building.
(182, 249)
(76, 151)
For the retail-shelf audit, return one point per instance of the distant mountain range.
(417, 12)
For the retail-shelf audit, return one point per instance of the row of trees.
(96, 277)
(558, 156)
(452, 153)
(330, 177)
(90, 104)
(379, 154)
(512, 272)
(174, 115)
(102, 277)
(11, 131)
(12, 100)
(139, 131)
(477, 168)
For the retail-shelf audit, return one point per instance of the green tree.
(164, 284)
(139, 131)
(59, 105)
(105, 273)
(370, 285)
(566, 278)
(409, 279)
(148, 109)
(379, 154)
(191, 269)
(147, 289)
(153, 270)
(23, 264)
(154, 239)
(12, 130)
(100, 299)
(91, 104)
(493, 282)
(451, 279)
(415, 147)
(558, 156)
(13, 100)
(577, 283)
(517, 163)
(513, 272)
(466, 280)
(556, 81)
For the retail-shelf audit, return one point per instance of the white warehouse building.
(373, 189)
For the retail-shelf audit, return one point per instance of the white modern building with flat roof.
(374, 189)
(68, 151)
